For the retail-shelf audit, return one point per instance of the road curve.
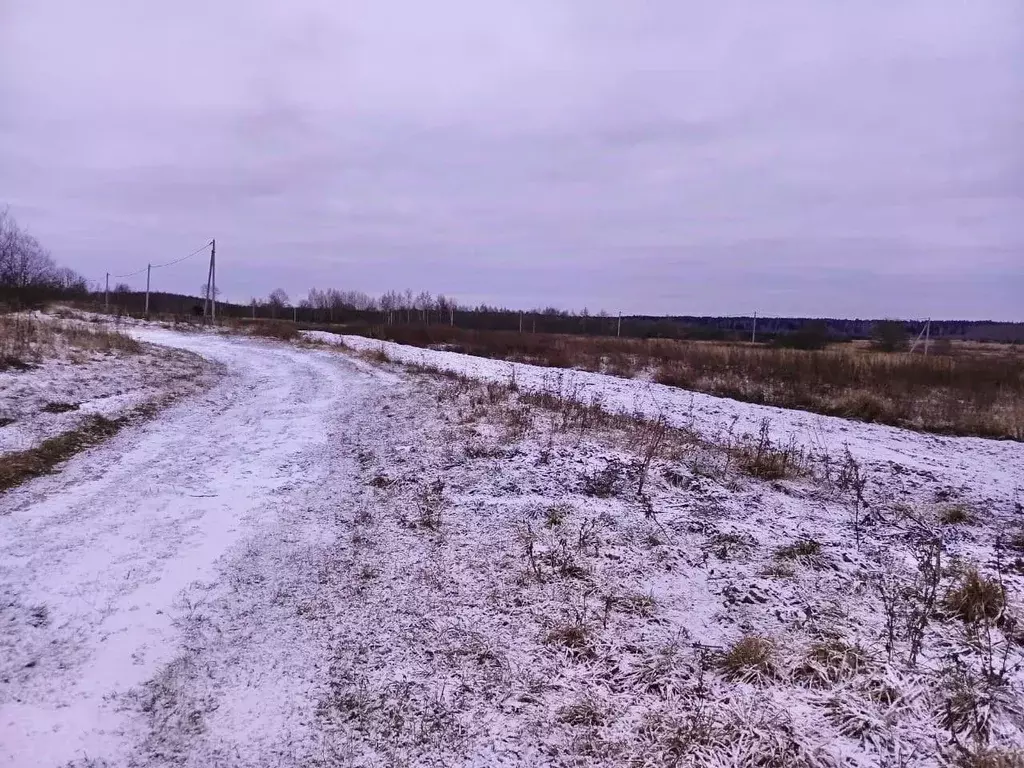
(177, 550)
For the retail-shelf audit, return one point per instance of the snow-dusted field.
(325, 560)
(989, 468)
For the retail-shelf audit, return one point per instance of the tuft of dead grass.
(957, 514)
(832, 661)
(750, 659)
(768, 459)
(800, 550)
(976, 597)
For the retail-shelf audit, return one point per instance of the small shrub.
(767, 460)
(976, 598)
(890, 336)
(555, 515)
(751, 659)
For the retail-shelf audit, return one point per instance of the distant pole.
(618, 328)
(753, 333)
(452, 310)
(927, 335)
(206, 298)
(520, 322)
(106, 294)
(149, 267)
(213, 273)
(254, 309)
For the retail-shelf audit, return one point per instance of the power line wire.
(130, 274)
(200, 249)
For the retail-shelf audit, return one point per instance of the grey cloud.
(794, 157)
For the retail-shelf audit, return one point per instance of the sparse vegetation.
(283, 330)
(26, 340)
(968, 393)
(767, 459)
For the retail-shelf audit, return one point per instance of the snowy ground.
(994, 469)
(328, 560)
(61, 391)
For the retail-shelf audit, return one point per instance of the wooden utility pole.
(106, 294)
(206, 298)
(149, 268)
(927, 335)
(618, 328)
(753, 333)
(213, 277)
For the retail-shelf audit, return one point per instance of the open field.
(348, 552)
(973, 389)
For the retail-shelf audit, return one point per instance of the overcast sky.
(861, 158)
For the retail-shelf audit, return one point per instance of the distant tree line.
(29, 275)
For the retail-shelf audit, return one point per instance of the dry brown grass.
(831, 661)
(25, 341)
(993, 758)
(750, 659)
(976, 597)
(283, 330)
(977, 390)
(16, 468)
(957, 514)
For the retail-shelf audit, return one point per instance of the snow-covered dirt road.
(129, 569)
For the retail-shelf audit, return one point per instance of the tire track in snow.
(106, 568)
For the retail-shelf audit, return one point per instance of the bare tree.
(24, 262)
(277, 300)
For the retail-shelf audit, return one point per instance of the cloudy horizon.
(803, 159)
